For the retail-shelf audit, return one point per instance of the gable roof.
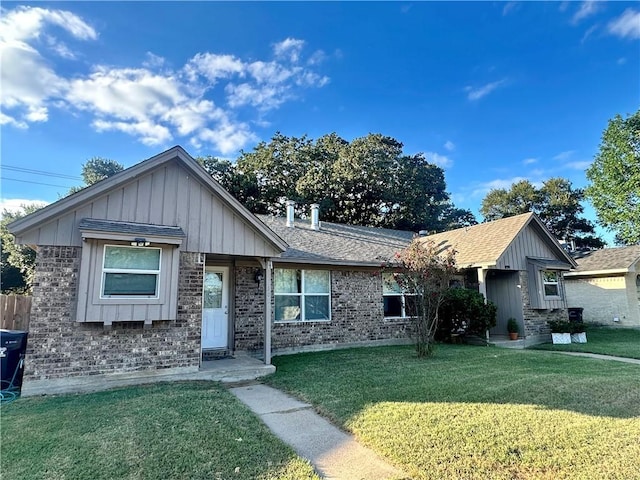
(92, 192)
(337, 244)
(608, 260)
(484, 244)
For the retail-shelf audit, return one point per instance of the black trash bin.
(13, 346)
(575, 314)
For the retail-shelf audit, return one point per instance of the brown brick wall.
(59, 347)
(356, 315)
(536, 320)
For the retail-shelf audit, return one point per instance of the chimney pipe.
(290, 213)
(315, 216)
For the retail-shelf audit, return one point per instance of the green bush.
(512, 326)
(560, 326)
(464, 311)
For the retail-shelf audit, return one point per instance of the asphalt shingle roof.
(482, 243)
(609, 259)
(130, 228)
(337, 243)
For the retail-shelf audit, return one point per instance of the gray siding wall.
(168, 195)
(91, 308)
(527, 244)
(503, 289)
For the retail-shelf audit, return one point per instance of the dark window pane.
(316, 307)
(287, 308)
(130, 284)
(410, 308)
(551, 290)
(392, 306)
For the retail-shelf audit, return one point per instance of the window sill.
(128, 301)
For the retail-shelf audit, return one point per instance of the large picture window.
(302, 295)
(550, 283)
(397, 303)
(130, 272)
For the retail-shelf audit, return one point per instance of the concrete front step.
(228, 370)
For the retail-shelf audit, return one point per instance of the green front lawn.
(619, 342)
(164, 431)
(478, 412)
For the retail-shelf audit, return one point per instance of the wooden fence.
(15, 311)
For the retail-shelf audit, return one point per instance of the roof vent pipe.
(315, 216)
(290, 213)
(423, 233)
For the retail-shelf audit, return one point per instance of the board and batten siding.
(526, 244)
(503, 289)
(93, 308)
(167, 195)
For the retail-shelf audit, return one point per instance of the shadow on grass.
(343, 382)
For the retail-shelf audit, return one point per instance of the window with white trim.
(130, 272)
(302, 295)
(397, 303)
(550, 283)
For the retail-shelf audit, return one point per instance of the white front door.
(215, 308)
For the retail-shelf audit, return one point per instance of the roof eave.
(589, 273)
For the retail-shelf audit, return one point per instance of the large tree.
(368, 181)
(96, 169)
(615, 179)
(17, 266)
(556, 202)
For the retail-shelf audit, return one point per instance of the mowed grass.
(619, 342)
(165, 431)
(478, 412)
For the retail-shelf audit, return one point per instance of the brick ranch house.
(606, 285)
(158, 267)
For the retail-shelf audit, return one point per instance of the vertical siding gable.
(166, 195)
(528, 243)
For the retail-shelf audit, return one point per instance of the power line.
(39, 172)
(35, 183)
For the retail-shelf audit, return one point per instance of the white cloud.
(626, 25)
(564, 155)
(14, 205)
(483, 188)
(437, 159)
(586, 9)
(289, 48)
(449, 146)
(477, 93)
(151, 102)
(579, 165)
(529, 161)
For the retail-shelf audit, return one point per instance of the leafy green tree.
(96, 169)
(615, 179)
(368, 181)
(18, 261)
(422, 271)
(557, 203)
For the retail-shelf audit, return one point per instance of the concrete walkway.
(333, 453)
(601, 357)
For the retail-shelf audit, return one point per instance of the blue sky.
(494, 92)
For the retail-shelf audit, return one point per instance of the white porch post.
(267, 311)
(482, 288)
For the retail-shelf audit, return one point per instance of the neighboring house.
(158, 266)
(606, 285)
(518, 265)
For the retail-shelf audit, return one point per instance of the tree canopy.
(96, 169)
(556, 202)
(368, 181)
(615, 179)
(17, 266)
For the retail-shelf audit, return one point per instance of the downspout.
(267, 311)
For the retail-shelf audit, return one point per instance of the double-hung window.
(130, 272)
(302, 295)
(397, 303)
(550, 282)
